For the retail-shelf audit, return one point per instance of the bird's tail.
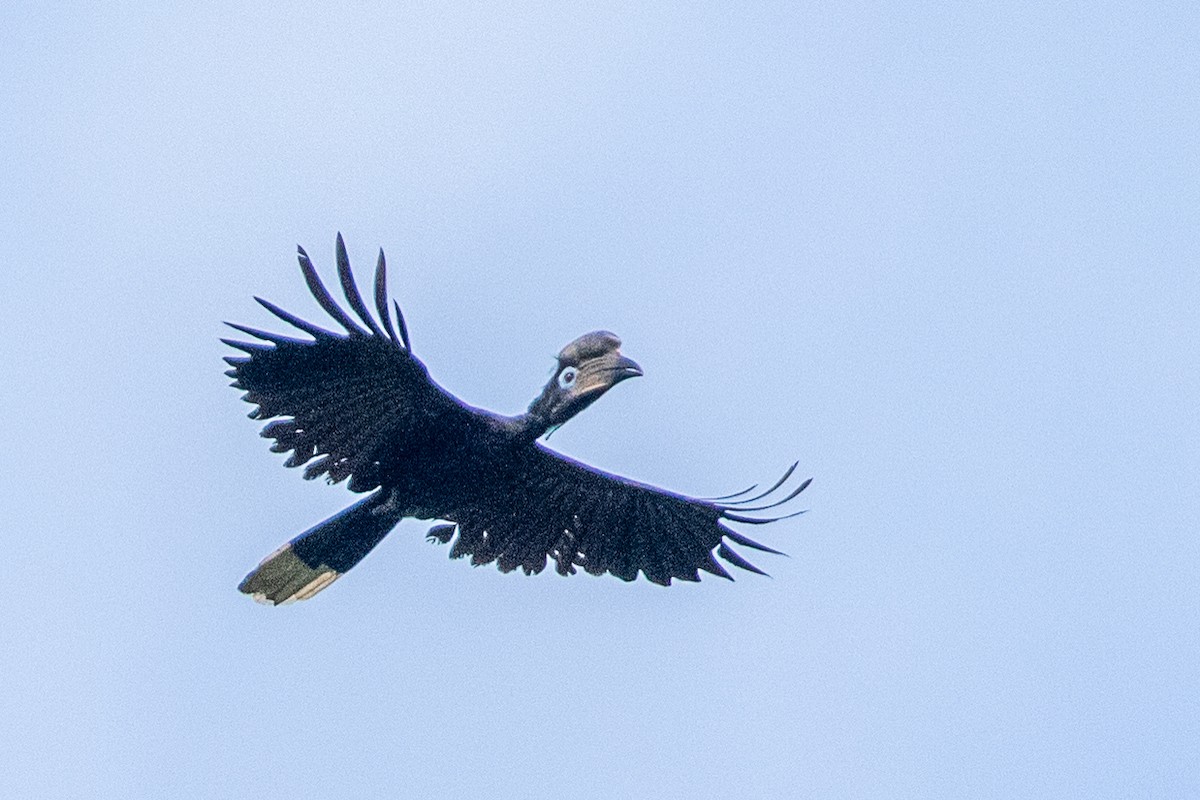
(320, 555)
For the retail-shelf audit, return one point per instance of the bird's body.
(360, 406)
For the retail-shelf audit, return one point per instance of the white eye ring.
(566, 378)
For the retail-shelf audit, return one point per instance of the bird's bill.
(604, 372)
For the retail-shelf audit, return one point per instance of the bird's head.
(587, 368)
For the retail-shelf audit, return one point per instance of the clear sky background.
(945, 255)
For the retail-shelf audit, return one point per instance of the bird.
(357, 405)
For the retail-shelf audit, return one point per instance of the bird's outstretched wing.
(557, 508)
(354, 402)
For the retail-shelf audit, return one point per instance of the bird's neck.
(526, 427)
(537, 420)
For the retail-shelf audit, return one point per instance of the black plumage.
(360, 406)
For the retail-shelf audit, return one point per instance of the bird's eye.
(566, 378)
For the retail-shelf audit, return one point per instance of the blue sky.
(945, 255)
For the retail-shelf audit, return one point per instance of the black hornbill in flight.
(360, 405)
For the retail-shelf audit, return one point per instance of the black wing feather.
(553, 507)
(381, 297)
(354, 402)
(322, 294)
(346, 277)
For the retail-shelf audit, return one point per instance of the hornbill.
(360, 405)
